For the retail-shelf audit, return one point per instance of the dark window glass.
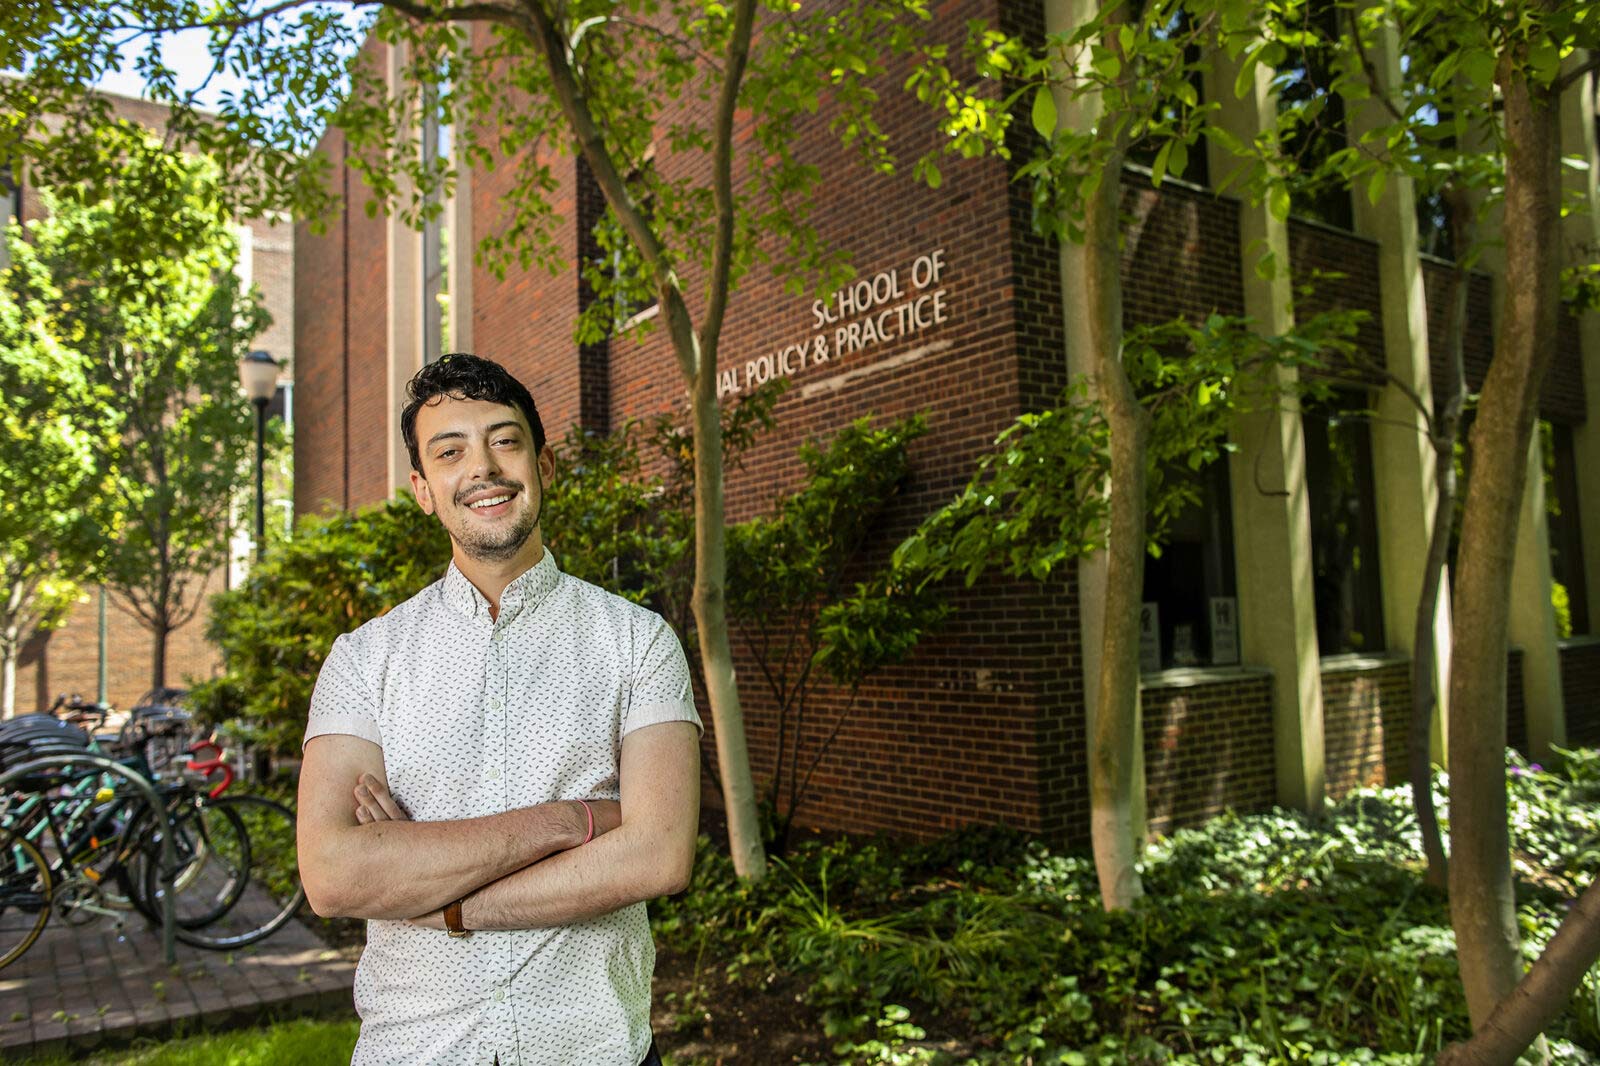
(1344, 526)
(1304, 81)
(1143, 151)
(1190, 584)
(1566, 536)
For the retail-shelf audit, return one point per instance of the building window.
(1316, 116)
(1344, 525)
(1570, 596)
(620, 292)
(1144, 151)
(436, 146)
(1190, 615)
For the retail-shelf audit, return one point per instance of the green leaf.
(1180, 159)
(1044, 112)
(1479, 66)
(1158, 169)
(1375, 186)
(1278, 202)
(1545, 59)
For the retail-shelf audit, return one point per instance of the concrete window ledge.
(1578, 642)
(1194, 676)
(1359, 662)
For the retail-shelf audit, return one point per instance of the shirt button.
(494, 703)
(499, 635)
(494, 775)
(499, 995)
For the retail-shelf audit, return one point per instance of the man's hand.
(375, 804)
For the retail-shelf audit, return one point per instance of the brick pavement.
(81, 988)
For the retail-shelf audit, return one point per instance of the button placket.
(495, 705)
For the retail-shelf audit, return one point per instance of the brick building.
(74, 658)
(1279, 619)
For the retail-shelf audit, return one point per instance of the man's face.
(481, 476)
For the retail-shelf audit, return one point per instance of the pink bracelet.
(590, 812)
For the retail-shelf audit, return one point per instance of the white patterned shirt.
(477, 716)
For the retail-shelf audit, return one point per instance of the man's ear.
(547, 465)
(419, 486)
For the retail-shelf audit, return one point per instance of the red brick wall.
(68, 660)
(321, 322)
(1208, 748)
(1365, 713)
(342, 416)
(1180, 253)
(1561, 394)
(1580, 692)
(1348, 266)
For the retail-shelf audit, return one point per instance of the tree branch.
(722, 175)
(1564, 82)
(541, 27)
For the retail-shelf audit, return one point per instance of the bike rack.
(169, 853)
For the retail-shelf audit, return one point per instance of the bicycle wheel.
(212, 849)
(25, 889)
(270, 892)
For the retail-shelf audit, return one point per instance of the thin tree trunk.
(1419, 743)
(697, 360)
(1446, 429)
(158, 664)
(1482, 906)
(1539, 997)
(8, 673)
(711, 626)
(1113, 744)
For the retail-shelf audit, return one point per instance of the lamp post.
(258, 375)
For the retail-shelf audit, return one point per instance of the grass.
(304, 1042)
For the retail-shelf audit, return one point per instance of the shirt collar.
(527, 589)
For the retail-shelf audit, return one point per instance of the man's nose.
(485, 465)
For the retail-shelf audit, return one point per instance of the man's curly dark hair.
(465, 377)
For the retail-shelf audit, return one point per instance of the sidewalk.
(81, 988)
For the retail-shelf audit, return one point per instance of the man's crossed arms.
(522, 869)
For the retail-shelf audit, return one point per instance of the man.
(464, 759)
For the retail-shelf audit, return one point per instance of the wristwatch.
(452, 921)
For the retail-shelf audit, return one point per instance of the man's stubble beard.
(485, 546)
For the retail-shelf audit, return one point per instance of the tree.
(1479, 105)
(600, 80)
(1126, 75)
(631, 531)
(140, 277)
(54, 499)
(834, 621)
(1037, 502)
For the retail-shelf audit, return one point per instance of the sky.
(186, 54)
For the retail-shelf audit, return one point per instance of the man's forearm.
(625, 866)
(398, 869)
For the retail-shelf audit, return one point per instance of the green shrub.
(335, 573)
(1264, 938)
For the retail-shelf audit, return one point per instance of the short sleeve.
(660, 690)
(343, 702)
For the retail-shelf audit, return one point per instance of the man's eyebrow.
(446, 435)
(509, 423)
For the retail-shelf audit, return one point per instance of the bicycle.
(94, 837)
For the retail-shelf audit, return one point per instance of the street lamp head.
(258, 376)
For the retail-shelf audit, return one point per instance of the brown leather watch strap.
(452, 921)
